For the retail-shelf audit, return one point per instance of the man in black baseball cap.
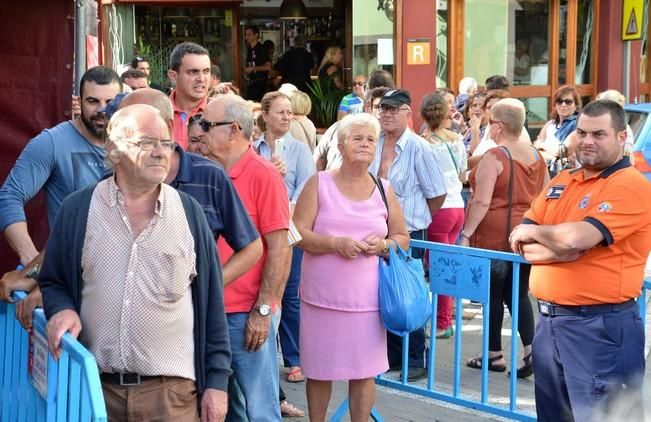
(396, 98)
(405, 159)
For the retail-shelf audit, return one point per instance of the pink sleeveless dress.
(341, 333)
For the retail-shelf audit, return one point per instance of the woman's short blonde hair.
(301, 104)
(354, 121)
(614, 95)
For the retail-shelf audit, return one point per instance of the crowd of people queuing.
(189, 231)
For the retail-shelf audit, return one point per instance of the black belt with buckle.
(552, 309)
(125, 378)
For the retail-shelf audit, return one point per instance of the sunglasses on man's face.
(359, 83)
(206, 124)
(566, 101)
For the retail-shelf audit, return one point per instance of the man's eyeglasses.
(391, 110)
(491, 121)
(206, 124)
(148, 144)
(359, 83)
(194, 119)
(566, 101)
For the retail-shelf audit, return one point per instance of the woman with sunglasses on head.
(195, 133)
(552, 138)
(295, 158)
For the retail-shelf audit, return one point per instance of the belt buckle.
(126, 380)
(545, 308)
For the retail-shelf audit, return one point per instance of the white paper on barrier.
(38, 357)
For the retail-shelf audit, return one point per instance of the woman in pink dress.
(344, 224)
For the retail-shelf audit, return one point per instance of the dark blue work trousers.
(585, 364)
(417, 340)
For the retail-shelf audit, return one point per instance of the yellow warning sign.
(632, 14)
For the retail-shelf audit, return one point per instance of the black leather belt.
(125, 378)
(552, 309)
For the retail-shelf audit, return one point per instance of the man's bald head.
(154, 98)
(231, 108)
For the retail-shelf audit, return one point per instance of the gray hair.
(354, 121)
(467, 85)
(125, 124)
(236, 109)
(511, 113)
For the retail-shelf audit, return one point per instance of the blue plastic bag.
(405, 303)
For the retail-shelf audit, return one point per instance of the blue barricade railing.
(464, 273)
(35, 387)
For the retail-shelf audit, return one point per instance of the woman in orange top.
(487, 226)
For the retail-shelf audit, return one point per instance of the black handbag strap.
(508, 221)
(383, 194)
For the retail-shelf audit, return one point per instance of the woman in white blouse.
(447, 222)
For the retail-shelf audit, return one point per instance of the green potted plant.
(325, 103)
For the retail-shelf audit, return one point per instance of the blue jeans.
(290, 319)
(583, 362)
(256, 372)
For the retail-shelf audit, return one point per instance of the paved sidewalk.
(395, 405)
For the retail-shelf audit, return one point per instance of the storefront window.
(507, 38)
(562, 44)
(372, 36)
(584, 43)
(537, 109)
(159, 29)
(644, 43)
(442, 18)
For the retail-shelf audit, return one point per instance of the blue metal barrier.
(464, 273)
(35, 387)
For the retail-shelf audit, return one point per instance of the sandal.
(476, 363)
(527, 370)
(295, 375)
(290, 411)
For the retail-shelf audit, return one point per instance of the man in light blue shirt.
(405, 159)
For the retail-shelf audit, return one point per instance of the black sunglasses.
(206, 124)
(566, 101)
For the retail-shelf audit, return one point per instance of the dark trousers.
(582, 363)
(417, 343)
(501, 292)
(290, 317)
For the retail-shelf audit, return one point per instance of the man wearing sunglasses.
(353, 103)
(253, 298)
(405, 160)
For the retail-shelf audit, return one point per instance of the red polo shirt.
(180, 134)
(264, 195)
